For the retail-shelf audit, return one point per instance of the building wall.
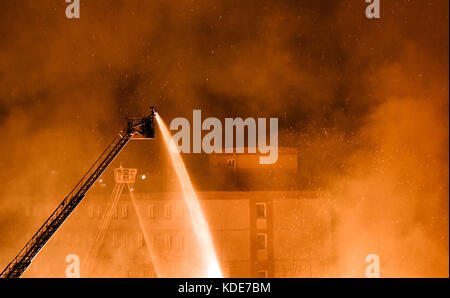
(245, 172)
(303, 236)
(289, 237)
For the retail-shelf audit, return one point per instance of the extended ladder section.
(143, 126)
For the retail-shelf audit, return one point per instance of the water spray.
(200, 225)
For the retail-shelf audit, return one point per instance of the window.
(140, 241)
(230, 162)
(147, 274)
(115, 213)
(262, 274)
(261, 210)
(99, 212)
(168, 241)
(261, 241)
(151, 211)
(115, 240)
(125, 240)
(124, 211)
(180, 242)
(167, 211)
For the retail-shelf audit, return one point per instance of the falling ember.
(200, 225)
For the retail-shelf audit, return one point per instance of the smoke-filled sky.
(364, 101)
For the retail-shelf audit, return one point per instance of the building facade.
(255, 234)
(261, 226)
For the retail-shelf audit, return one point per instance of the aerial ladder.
(144, 126)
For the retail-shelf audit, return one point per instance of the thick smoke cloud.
(365, 101)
